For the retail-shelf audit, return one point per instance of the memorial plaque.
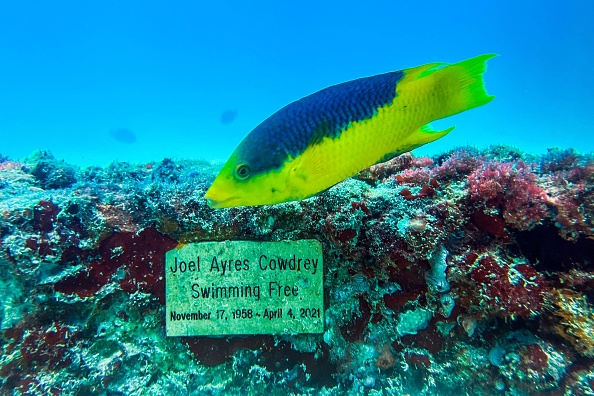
(244, 287)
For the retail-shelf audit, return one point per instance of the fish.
(322, 139)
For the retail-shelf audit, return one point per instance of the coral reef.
(466, 273)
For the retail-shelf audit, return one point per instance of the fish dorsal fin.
(424, 70)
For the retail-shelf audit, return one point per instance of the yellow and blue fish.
(324, 138)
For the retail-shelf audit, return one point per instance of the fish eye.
(241, 172)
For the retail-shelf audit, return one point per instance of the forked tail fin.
(450, 89)
(463, 85)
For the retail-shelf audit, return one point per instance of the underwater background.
(463, 268)
(139, 81)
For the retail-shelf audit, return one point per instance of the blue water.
(142, 80)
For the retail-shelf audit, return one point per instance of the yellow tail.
(461, 85)
(444, 90)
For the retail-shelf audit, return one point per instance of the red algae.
(508, 290)
(512, 189)
(141, 255)
(534, 358)
(357, 325)
(44, 215)
(426, 191)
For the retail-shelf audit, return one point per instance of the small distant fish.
(228, 116)
(123, 135)
(324, 138)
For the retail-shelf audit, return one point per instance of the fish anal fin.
(423, 135)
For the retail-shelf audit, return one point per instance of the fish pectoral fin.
(424, 135)
(312, 163)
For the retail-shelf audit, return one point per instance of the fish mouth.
(214, 204)
(221, 203)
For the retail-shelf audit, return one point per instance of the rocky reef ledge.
(470, 273)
